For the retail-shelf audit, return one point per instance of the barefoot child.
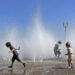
(15, 54)
(69, 54)
(56, 49)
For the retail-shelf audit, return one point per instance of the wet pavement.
(37, 68)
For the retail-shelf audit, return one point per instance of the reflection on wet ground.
(37, 68)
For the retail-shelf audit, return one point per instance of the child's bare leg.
(71, 65)
(17, 58)
(13, 59)
(23, 63)
(12, 63)
(68, 63)
(58, 56)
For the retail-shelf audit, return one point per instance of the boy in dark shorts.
(15, 54)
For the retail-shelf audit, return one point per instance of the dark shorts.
(15, 58)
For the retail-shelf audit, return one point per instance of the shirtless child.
(57, 49)
(69, 54)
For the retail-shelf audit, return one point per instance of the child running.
(15, 54)
(69, 54)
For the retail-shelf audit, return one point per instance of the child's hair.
(68, 44)
(59, 42)
(8, 44)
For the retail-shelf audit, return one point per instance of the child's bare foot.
(24, 65)
(71, 67)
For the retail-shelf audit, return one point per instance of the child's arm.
(17, 48)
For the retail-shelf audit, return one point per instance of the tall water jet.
(39, 41)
